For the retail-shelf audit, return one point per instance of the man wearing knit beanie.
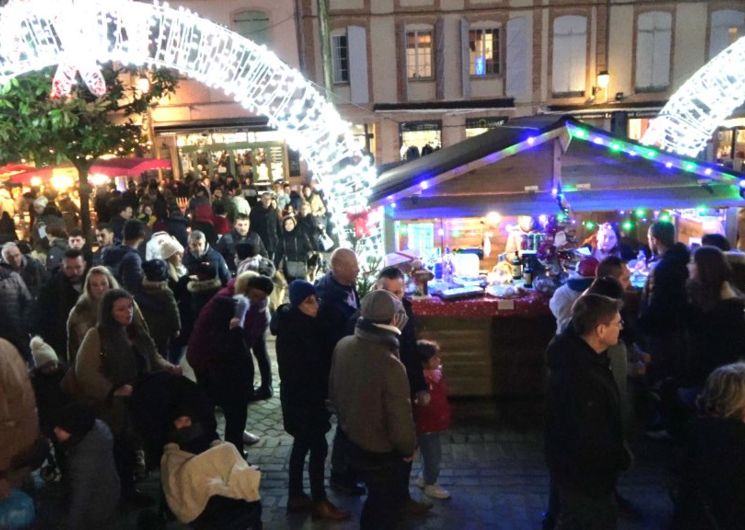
(378, 424)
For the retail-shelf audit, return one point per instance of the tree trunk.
(85, 209)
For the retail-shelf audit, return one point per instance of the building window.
(484, 52)
(419, 138)
(253, 25)
(419, 54)
(653, 38)
(727, 25)
(340, 52)
(569, 55)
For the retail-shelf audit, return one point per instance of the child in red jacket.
(432, 418)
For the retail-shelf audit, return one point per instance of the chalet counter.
(490, 346)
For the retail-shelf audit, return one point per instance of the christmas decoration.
(78, 34)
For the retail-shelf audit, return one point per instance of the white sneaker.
(420, 482)
(435, 491)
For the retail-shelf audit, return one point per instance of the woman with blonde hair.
(84, 315)
(712, 489)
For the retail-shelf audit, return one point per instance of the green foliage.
(81, 127)
(370, 265)
(78, 128)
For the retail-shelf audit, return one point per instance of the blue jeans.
(429, 445)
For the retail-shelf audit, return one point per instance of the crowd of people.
(94, 338)
(675, 367)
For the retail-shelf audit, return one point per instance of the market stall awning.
(531, 165)
(112, 167)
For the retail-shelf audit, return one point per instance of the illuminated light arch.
(697, 108)
(78, 34)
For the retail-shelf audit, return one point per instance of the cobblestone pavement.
(492, 465)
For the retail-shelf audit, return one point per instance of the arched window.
(569, 55)
(653, 39)
(253, 25)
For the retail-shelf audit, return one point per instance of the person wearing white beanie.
(42, 352)
(172, 252)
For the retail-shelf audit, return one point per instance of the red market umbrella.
(127, 167)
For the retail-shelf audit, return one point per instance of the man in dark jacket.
(104, 239)
(31, 271)
(239, 234)
(200, 251)
(125, 261)
(369, 390)
(662, 311)
(15, 307)
(339, 301)
(265, 222)
(56, 298)
(584, 444)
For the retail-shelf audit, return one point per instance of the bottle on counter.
(517, 272)
(528, 275)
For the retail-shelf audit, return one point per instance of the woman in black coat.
(303, 391)
(712, 487)
(716, 315)
(293, 251)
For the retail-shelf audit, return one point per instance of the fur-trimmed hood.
(200, 286)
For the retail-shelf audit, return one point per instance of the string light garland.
(692, 114)
(78, 34)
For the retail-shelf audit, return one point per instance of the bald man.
(339, 301)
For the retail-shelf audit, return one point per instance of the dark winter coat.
(664, 300)
(49, 396)
(311, 230)
(7, 228)
(32, 273)
(56, 253)
(177, 225)
(713, 477)
(219, 354)
(15, 306)
(584, 436)
(303, 375)
(117, 227)
(212, 256)
(93, 479)
(338, 304)
(56, 298)
(292, 246)
(200, 292)
(125, 263)
(226, 246)
(265, 222)
(159, 308)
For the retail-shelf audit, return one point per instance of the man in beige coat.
(370, 391)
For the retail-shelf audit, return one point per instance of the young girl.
(431, 419)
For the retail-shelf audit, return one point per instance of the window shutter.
(403, 81)
(644, 51)
(439, 52)
(662, 42)
(579, 55)
(465, 78)
(518, 54)
(358, 82)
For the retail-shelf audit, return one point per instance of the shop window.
(340, 55)
(419, 54)
(419, 138)
(477, 126)
(653, 38)
(483, 52)
(727, 25)
(253, 25)
(569, 55)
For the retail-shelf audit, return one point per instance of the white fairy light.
(158, 36)
(698, 107)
